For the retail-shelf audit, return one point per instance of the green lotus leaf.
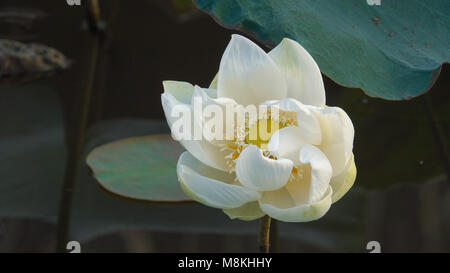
(139, 168)
(393, 51)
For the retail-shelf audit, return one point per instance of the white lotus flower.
(304, 167)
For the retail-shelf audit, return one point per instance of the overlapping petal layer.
(307, 164)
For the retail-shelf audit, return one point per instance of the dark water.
(401, 197)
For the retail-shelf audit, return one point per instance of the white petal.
(301, 72)
(344, 181)
(214, 154)
(214, 82)
(211, 142)
(248, 212)
(307, 121)
(295, 213)
(205, 96)
(175, 111)
(261, 173)
(337, 136)
(211, 92)
(306, 198)
(182, 91)
(286, 143)
(169, 102)
(213, 116)
(248, 75)
(320, 172)
(203, 150)
(209, 186)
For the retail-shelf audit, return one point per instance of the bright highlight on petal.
(337, 136)
(248, 75)
(286, 143)
(211, 114)
(182, 91)
(261, 173)
(169, 102)
(301, 72)
(201, 183)
(204, 150)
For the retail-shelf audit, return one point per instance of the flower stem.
(74, 159)
(274, 241)
(264, 234)
(75, 150)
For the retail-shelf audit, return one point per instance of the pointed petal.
(182, 91)
(337, 136)
(301, 72)
(203, 150)
(214, 82)
(213, 139)
(248, 75)
(261, 173)
(176, 111)
(209, 186)
(248, 212)
(211, 142)
(169, 103)
(344, 181)
(206, 97)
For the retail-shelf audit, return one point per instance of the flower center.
(260, 133)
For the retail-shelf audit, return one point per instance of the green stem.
(274, 241)
(74, 155)
(264, 234)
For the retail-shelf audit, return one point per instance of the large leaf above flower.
(393, 51)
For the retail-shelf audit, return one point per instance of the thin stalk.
(273, 236)
(74, 155)
(264, 234)
(103, 64)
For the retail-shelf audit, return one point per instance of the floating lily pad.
(140, 168)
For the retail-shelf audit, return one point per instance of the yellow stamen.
(260, 133)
